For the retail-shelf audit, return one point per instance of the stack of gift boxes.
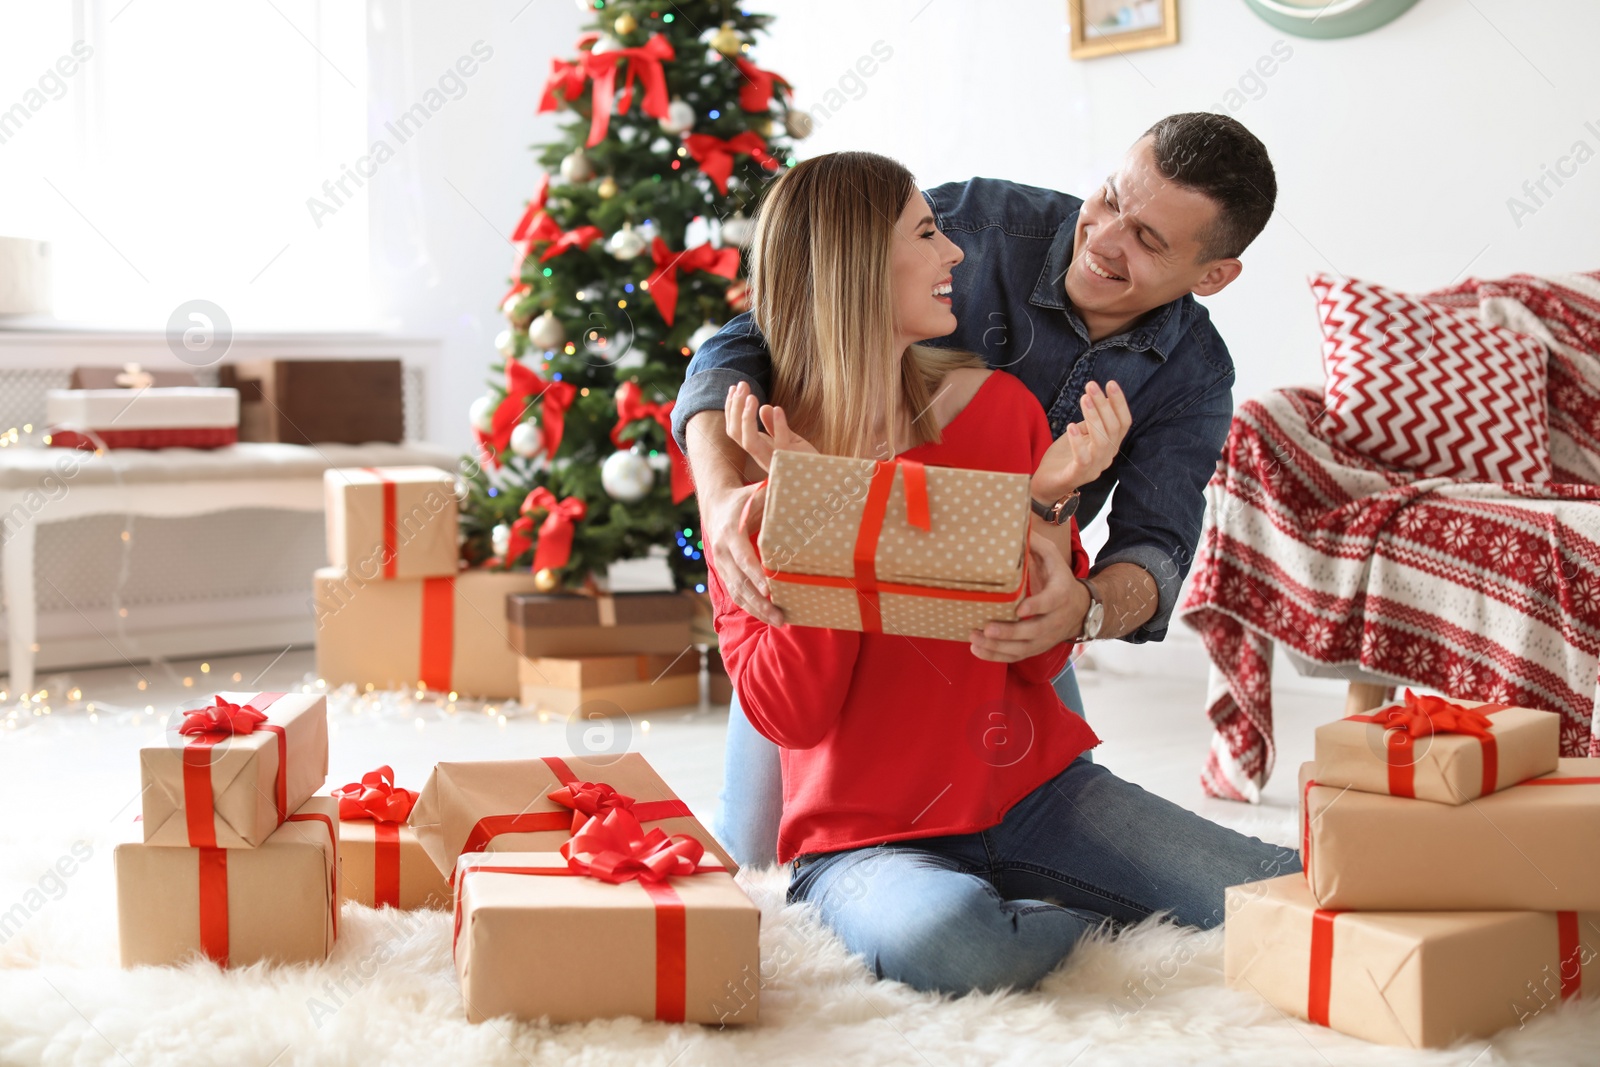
(1452, 878)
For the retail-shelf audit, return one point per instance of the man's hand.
(741, 411)
(1052, 612)
(1083, 453)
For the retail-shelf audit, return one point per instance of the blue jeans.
(1002, 908)
(750, 805)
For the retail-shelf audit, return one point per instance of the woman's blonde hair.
(824, 299)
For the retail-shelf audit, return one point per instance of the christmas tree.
(628, 258)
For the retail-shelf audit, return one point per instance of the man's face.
(1138, 242)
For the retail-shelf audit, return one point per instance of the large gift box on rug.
(231, 772)
(392, 522)
(893, 546)
(1435, 749)
(444, 634)
(1404, 978)
(568, 624)
(382, 862)
(1534, 846)
(632, 683)
(237, 906)
(142, 418)
(533, 805)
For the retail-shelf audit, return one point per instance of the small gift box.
(236, 906)
(632, 683)
(894, 546)
(533, 805)
(1435, 749)
(623, 921)
(392, 522)
(142, 418)
(230, 773)
(318, 401)
(1534, 846)
(443, 634)
(568, 624)
(1415, 979)
(383, 864)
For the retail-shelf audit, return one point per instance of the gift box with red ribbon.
(1421, 980)
(894, 546)
(534, 805)
(1533, 846)
(575, 625)
(631, 683)
(392, 522)
(382, 861)
(229, 773)
(1431, 748)
(277, 902)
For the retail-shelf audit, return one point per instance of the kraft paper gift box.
(938, 561)
(533, 940)
(392, 522)
(1440, 750)
(1534, 846)
(382, 863)
(1414, 979)
(232, 790)
(632, 683)
(569, 624)
(443, 634)
(237, 906)
(506, 805)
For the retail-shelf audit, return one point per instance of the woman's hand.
(741, 411)
(1083, 453)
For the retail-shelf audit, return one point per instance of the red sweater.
(886, 737)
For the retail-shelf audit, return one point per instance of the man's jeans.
(1001, 908)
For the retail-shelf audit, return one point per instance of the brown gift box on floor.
(444, 634)
(237, 906)
(1535, 846)
(569, 624)
(311, 401)
(632, 683)
(573, 948)
(504, 805)
(1450, 768)
(955, 561)
(391, 522)
(233, 790)
(1414, 979)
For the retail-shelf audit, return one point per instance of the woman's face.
(919, 269)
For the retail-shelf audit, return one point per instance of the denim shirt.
(1011, 303)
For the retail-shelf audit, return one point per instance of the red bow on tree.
(566, 77)
(760, 86)
(644, 62)
(222, 718)
(715, 155)
(523, 384)
(631, 407)
(1426, 715)
(555, 532)
(588, 799)
(535, 212)
(375, 797)
(663, 281)
(616, 848)
(582, 238)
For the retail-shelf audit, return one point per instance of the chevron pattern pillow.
(1429, 388)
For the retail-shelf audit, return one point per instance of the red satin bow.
(222, 718)
(760, 86)
(715, 155)
(663, 281)
(522, 385)
(1426, 715)
(616, 848)
(555, 532)
(581, 238)
(588, 799)
(566, 77)
(631, 407)
(535, 212)
(644, 62)
(375, 797)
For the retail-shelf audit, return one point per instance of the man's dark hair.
(1215, 155)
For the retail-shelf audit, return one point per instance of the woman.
(935, 806)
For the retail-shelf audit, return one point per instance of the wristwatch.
(1058, 513)
(1095, 618)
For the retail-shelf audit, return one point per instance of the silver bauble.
(627, 243)
(680, 117)
(737, 230)
(481, 413)
(505, 343)
(799, 124)
(546, 331)
(705, 333)
(500, 539)
(626, 476)
(576, 168)
(526, 439)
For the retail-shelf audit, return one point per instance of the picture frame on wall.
(1110, 27)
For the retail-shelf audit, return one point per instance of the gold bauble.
(762, 125)
(545, 580)
(607, 187)
(625, 24)
(727, 40)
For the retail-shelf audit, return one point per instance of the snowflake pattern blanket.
(1486, 592)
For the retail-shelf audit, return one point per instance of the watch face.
(1094, 620)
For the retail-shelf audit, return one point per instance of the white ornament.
(500, 539)
(648, 230)
(504, 342)
(798, 124)
(526, 439)
(481, 414)
(737, 230)
(576, 167)
(705, 333)
(626, 476)
(680, 117)
(606, 43)
(627, 242)
(546, 331)
(660, 462)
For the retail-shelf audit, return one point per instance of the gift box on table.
(1430, 748)
(382, 862)
(1534, 846)
(533, 805)
(229, 773)
(569, 624)
(444, 634)
(1417, 979)
(142, 418)
(392, 522)
(633, 683)
(894, 546)
(308, 401)
(237, 906)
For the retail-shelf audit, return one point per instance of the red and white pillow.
(1432, 389)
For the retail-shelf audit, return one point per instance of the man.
(1069, 295)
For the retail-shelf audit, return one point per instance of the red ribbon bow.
(222, 718)
(530, 218)
(616, 848)
(588, 799)
(580, 238)
(1425, 716)
(644, 62)
(715, 155)
(567, 78)
(375, 797)
(555, 533)
(663, 281)
(631, 407)
(760, 86)
(522, 385)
